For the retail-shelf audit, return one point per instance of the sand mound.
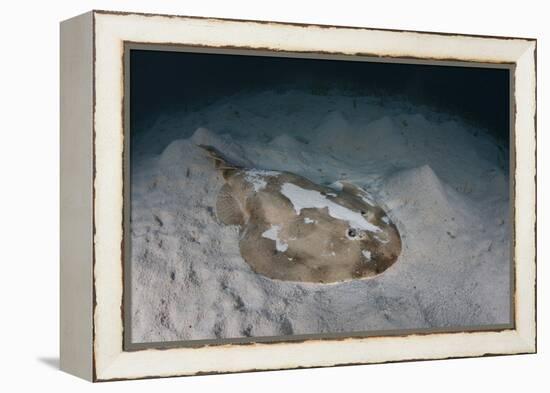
(334, 123)
(423, 201)
(333, 132)
(384, 139)
(420, 188)
(381, 139)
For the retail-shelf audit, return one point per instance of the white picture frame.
(92, 192)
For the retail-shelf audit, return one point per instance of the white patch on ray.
(273, 234)
(302, 198)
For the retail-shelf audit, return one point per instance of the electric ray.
(295, 230)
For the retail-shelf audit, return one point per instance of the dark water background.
(162, 82)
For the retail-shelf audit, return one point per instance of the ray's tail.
(221, 162)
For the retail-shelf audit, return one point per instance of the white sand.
(442, 182)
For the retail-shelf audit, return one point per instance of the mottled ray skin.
(310, 245)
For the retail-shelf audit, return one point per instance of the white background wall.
(29, 178)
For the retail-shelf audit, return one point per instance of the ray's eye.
(352, 232)
(363, 212)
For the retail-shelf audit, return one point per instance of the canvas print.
(277, 198)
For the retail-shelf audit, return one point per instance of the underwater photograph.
(273, 198)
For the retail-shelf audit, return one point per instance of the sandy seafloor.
(442, 181)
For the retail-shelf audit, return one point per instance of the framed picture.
(244, 195)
